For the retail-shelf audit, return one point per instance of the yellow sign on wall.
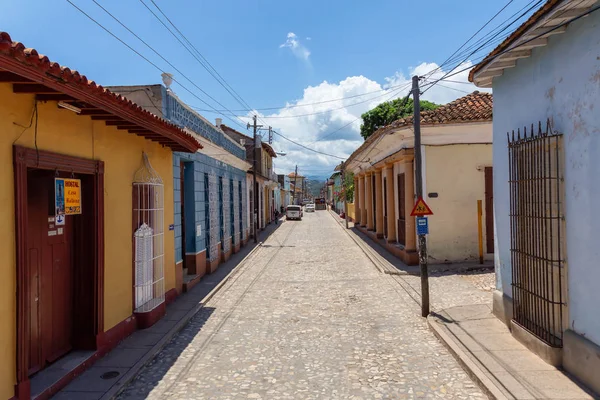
(72, 196)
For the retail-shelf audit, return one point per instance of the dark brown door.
(489, 209)
(385, 207)
(374, 201)
(401, 210)
(51, 270)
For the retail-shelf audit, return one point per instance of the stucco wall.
(560, 81)
(202, 165)
(452, 172)
(64, 132)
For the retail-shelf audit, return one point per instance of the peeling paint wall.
(561, 81)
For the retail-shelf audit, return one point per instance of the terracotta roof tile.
(26, 62)
(474, 107)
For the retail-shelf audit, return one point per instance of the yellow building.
(86, 187)
(457, 172)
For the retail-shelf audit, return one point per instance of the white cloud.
(298, 49)
(330, 114)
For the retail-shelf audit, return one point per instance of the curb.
(363, 247)
(118, 387)
(471, 368)
(360, 245)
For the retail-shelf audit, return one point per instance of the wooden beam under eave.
(9, 77)
(54, 97)
(544, 31)
(500, 65)
(515, 55)
(567, 14)
(32, 88)
(95, 111)
(489, 74)
(539, 42)
(126, 127)
(142, 132)
(107, 118)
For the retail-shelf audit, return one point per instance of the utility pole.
(254, 166)
(295, 182)
(344, 188)
(419, 178)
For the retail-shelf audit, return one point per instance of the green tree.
(386, 113)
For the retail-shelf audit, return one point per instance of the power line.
(308, 148)
(475, 34)
(488, 38)
(141, 55)
(356, 119)
(205, 63)
(329, 110)
(526, 41)
(310, 104)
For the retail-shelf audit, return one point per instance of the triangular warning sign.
(420, 209)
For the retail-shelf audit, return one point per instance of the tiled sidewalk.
(502, 365)
(126, 360)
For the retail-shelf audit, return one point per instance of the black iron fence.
(536, 223)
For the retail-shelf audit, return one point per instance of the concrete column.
(369, 202)
(391, 209)
(356, 201)
(409, 176)
(379, 204)
(363, 201)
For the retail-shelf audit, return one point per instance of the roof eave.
(23, 64)
(547, 21)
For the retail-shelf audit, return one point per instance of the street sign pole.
(419, 186)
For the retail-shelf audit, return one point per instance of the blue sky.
(271, 52)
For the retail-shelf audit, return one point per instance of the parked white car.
(293, 212)
(310, 208)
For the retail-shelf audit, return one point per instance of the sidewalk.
(500, 363)
(111, 373)
(389, 264)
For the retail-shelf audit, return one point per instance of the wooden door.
(385, 211)
(51, 270)
(489, 209)
(401, 210)
(374, 200)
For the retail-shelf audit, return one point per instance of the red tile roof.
(37, 68)
(535, 17)
(293, 175)
(474, 107)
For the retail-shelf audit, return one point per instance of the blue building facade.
(210, 218)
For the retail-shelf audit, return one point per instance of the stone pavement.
(497, 360)
(308, 317)
(461, 301)
(129, 357)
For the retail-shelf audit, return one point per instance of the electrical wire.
(309, 104)
(163, 58)
(204, 63)
(555, 27)
(475, 34)
(331, 109)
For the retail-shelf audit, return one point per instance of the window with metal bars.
(537, 231)
(231, 212)
(148, 224)
(221, 205)
(207, 216)
(241, 209)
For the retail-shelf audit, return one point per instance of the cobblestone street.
(309, 317)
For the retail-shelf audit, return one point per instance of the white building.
(547, 73)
